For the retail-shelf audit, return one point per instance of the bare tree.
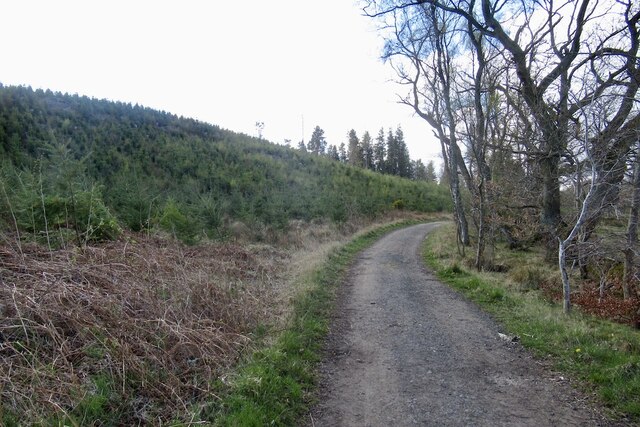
(480, 82)
(420, 41)
(548, 46)
(444, 62)
(259, 128)
(603, 183)
(563, 244)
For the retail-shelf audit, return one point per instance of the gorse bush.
(398, 204)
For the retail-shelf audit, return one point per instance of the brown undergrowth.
(612, 306)
(137, 328)
(138, 331)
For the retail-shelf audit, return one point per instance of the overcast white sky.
(230, 63)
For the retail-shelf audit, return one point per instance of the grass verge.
(603, 355)
(272, 386)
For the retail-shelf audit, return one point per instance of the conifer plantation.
(84, 169)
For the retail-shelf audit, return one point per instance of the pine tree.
(317, 144)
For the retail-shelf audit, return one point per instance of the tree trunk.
(454, 182)
(632, 229)
(551, 215)
(587, 206)
(479, 139)
(481, 229)
(566, 287)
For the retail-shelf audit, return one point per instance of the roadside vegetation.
(125, 332)
(272, 387)
(143, 256)
(146, 329)
(599, 353)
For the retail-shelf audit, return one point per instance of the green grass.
(273, 386)
(603, 355)
(98, 405)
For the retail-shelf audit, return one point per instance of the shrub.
(528, 277)
(92, 218)
(177, 223)
(83, 212)
(398, 204)
(69, 205)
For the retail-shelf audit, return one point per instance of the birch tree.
(421, 51)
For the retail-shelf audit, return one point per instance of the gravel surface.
(406, 350)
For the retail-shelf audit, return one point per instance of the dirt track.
(405, 350)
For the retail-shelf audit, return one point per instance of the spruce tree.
(367, 151)
(403, 159)
(379, 152)
(392, 162)
(342, 152)
(332, 152)
(355, 151)
(419, 170)
(431, 172)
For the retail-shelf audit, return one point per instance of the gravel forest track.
(406, 350)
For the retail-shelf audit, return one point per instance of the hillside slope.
(90, 166)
